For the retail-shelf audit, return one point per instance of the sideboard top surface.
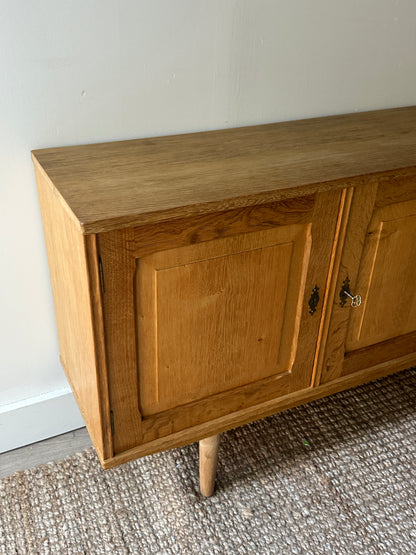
(118, 184)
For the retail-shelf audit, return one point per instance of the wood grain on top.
(118, 184)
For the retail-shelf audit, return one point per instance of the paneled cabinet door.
(210, 315)
(379, 264)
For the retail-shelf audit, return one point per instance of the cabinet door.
(379, 260)
(211, 315)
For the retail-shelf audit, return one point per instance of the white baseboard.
(38, 418)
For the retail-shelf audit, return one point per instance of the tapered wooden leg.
(208, 459)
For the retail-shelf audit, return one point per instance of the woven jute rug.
(335, 476)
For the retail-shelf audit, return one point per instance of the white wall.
(95, 70)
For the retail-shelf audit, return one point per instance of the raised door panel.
(383, 328)
(219, 315)
(387, 279)
(205, 316)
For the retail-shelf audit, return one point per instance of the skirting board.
(38, 418)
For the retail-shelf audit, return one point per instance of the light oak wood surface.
(387, 278)
(197, 278)
(379, 259)
(179, 355)
(124, 184)
(216, 313)
(208, 459)
(261, 410)
(78, 316)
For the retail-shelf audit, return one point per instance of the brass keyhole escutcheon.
(314, 300)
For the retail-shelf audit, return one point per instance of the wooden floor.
(52, 449)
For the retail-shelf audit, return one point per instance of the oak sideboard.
(206, 280)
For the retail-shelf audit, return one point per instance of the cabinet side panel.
(67, 257)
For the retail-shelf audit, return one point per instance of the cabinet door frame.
(335, 363)
(119, 251)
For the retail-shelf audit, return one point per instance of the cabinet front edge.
(197, 209)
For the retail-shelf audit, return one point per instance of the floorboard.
(52, 449)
